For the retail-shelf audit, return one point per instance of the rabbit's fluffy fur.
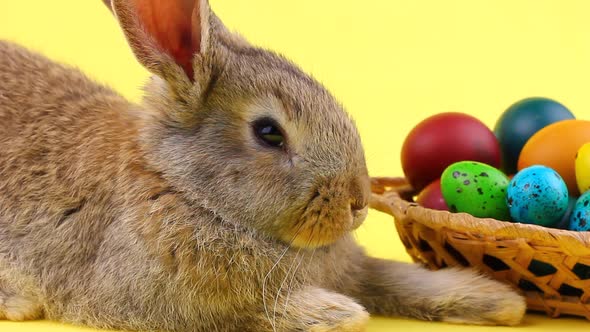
(172, 215)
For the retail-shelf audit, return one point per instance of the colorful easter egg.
(475, 188)
(520, 121)
(442, 139)
(537, 195)
(580, 219)
(431, 197)
(564, 223)
(582, 168)
(555, 146)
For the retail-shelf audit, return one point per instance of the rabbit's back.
(71, 174)
(34, 89)
(55, 125)
(63, 140)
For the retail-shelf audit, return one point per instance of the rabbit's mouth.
(327, 217)
(358, 216)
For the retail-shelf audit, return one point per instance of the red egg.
(431, 197)
(442, 140)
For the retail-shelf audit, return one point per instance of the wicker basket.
(550, 266)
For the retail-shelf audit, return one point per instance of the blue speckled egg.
(564, 223)
(580, 218)
(537, 195)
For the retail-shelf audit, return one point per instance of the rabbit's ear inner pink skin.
(175, 25)
(158, 29)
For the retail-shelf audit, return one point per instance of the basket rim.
(387, 198)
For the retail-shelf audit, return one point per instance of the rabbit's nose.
(356, 206)
(360, 189)
(358, 213)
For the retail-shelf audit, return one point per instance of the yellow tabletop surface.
(391, 63)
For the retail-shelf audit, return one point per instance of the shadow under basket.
(550, 266)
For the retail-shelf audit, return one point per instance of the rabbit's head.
(242, 131)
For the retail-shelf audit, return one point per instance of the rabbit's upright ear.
(165, 35)
(108, 3)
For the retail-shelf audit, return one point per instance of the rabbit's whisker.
(314, 228)
(292, 279)
(264, 286)
(269, 273)
(303, 218)
(287, 275)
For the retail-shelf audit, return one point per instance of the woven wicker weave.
(550, 266)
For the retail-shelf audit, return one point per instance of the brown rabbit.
(225, 202)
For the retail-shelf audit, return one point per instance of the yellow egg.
(583, 168)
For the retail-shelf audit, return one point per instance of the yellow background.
(391, 63)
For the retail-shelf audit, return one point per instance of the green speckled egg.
(477, 189)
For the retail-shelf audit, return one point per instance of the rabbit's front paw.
(319, 310)
(485, 302)
(19, 308)
(350, 322)
(502, 308)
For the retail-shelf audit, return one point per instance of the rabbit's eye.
(269, 132)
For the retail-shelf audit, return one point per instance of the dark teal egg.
(475, 188)
(520, 121)
(580, 218)
(537, 195)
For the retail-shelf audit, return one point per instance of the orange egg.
(555, 146)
